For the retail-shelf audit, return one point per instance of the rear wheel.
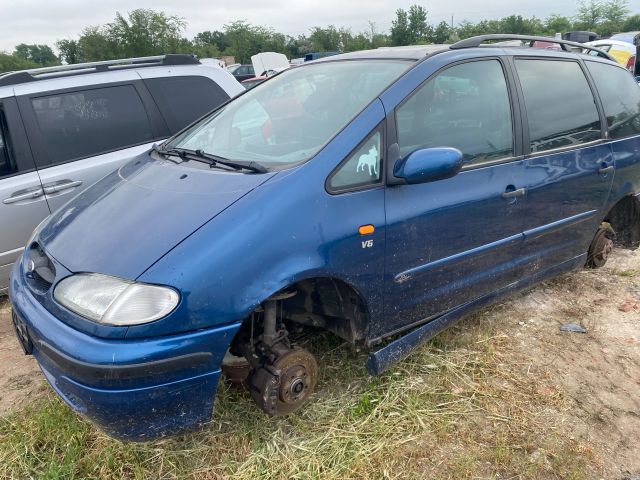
(601, 246)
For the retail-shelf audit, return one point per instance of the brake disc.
(600, 247)
(286, 385)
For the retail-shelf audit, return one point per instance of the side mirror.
(429, 164)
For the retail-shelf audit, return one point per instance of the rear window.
(620, 96)
(560, 107)
(84, 123)
(182, 100)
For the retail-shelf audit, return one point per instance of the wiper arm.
(170, 152)
(237, 164)
(212, 160)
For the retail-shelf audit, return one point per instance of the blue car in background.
(373, 194)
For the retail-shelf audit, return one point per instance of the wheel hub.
(601, 247)
(285, 385)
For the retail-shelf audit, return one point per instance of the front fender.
(287, 230)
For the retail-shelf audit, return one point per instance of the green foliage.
(41, 55)
(146, 32)
(325, 39)
(10, 63)
(143, 32)
(69, 51)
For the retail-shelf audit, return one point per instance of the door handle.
(513, 193)
(18, 197)
(606, 170)
(61, 186)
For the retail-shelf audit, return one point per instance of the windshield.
(289, 118)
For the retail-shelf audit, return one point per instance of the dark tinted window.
(560, 106)
(89, 122)
(7, 166)
(466, 107)
(620, 95)
(182, 100)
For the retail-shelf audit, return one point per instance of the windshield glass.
(287, 119)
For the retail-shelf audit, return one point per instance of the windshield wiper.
(170, 152)
(212, 160)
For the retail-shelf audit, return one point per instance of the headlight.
(113, 301)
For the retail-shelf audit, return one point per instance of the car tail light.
(631, 63)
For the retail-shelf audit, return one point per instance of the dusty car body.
(402, 189)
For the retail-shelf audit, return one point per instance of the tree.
(590, 14)
(11, 63)
(419, 30)
(146, 32)
(521, 26)
(615, 11)
(631, 24)
(442, 33)
(210, 43)
(328, 39)
(557, 24)
(41, 55)
(69, 51)
(94, 45)
(400, 34)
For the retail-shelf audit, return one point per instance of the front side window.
(620, 97)
(90, 122)
(362, 168)
(6, 165)
(288, 119)
(466, 107)
(560, 107)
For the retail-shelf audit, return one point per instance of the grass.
(625, 273)
(463, 406)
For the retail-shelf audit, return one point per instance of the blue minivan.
(374, 194)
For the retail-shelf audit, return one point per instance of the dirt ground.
(597, 371)
(20, 380)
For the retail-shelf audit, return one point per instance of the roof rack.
(564, 44)
(22, 76)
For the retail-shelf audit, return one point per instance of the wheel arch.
(624, 218)
(326, 301)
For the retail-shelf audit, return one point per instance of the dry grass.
(464, 406)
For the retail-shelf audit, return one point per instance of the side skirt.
(380, 360)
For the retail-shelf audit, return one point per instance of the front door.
(80, 135)
(452, 241)
(22, 202)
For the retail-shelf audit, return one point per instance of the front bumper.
(132, 389)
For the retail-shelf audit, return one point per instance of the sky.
(46, 21)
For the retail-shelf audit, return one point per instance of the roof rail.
(564, 44)
(22, 76)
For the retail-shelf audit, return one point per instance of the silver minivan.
(63, 128)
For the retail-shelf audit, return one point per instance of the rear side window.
(182, 100)
(560, 107)
(620, 96)
(84, 123)
(465, 106)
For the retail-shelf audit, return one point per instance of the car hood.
(131, 218)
